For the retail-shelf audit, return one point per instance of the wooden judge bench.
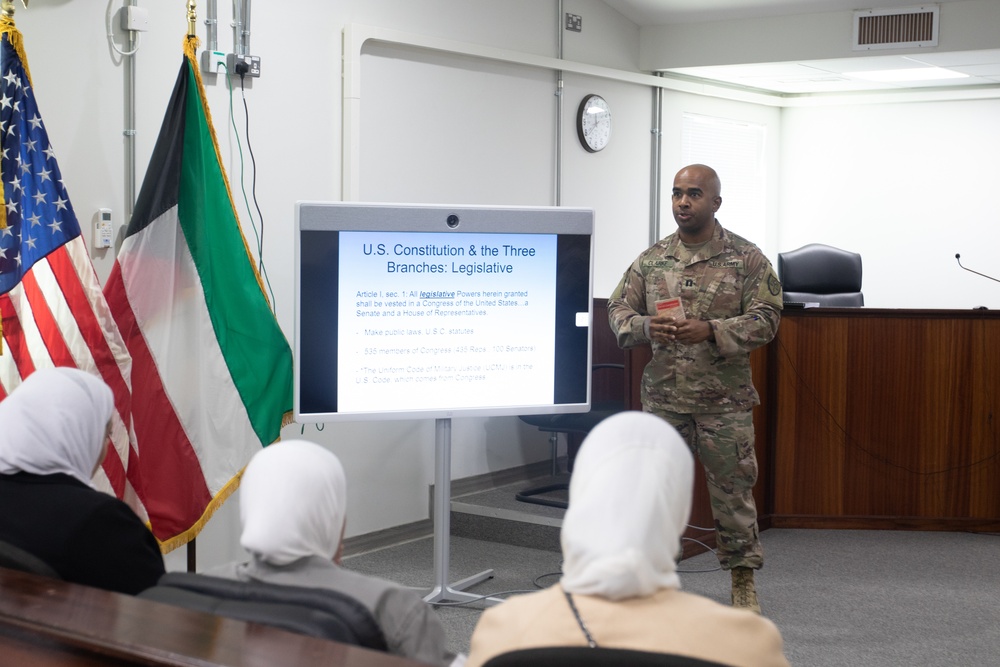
(869, 419)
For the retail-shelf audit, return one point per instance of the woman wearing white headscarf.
(629, 503)
(53, 436)
(293, 504)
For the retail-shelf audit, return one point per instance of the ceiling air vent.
(901, 27)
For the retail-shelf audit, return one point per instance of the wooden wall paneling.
(608, 384)
(811, 368)
(914, 396)
(908, 419)
(941, 475)
(762, 426)
(980, 390)
(884, 395)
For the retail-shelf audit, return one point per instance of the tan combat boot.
(744, 591)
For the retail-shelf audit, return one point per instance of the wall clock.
(593, 123)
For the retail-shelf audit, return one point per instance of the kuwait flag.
(211, 370)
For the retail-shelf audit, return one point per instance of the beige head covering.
(629, 503)
(55, 422)
(293, 502)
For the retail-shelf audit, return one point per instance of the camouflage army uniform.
(705, 390)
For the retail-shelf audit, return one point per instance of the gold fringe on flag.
(191, 533)
(8, 28)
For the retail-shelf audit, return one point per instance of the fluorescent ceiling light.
(913, 74)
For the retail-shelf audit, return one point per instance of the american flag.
(53, 310)
(39, 215)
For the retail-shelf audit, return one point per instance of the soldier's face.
(695, 201)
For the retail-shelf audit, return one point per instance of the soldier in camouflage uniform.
(699, 376)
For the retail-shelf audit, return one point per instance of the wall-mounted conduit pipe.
(212, 26)
(559, 107)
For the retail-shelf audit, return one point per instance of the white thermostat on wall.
(103, 229)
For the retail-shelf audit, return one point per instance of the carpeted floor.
(857, 598)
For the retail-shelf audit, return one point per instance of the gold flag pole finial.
(192, 18)
(7, 8)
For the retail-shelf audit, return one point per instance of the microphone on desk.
(958, 258)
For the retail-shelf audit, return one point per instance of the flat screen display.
(409, 311)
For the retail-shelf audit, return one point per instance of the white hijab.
(629, 503)
(55, 422)
(293, 502)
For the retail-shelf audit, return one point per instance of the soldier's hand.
(660, 328)
(689, 332)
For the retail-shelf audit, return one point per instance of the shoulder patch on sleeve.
(773, 284)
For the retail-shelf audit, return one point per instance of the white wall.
(907, 186)
(675, 105)
(440, 128)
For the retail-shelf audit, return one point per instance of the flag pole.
(192, 16)
(7, 7)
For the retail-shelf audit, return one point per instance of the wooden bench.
(47, 622)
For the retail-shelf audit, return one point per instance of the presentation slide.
(409, 311)
(432, 319)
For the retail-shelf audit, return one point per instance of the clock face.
(593, 123)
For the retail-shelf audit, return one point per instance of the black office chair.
(579, 423)
(16, 558)
(317, 612)
(822, 274)
(583, 656)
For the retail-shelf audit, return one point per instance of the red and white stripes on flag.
(57, 316)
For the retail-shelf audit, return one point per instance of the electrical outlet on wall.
(243, 65)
